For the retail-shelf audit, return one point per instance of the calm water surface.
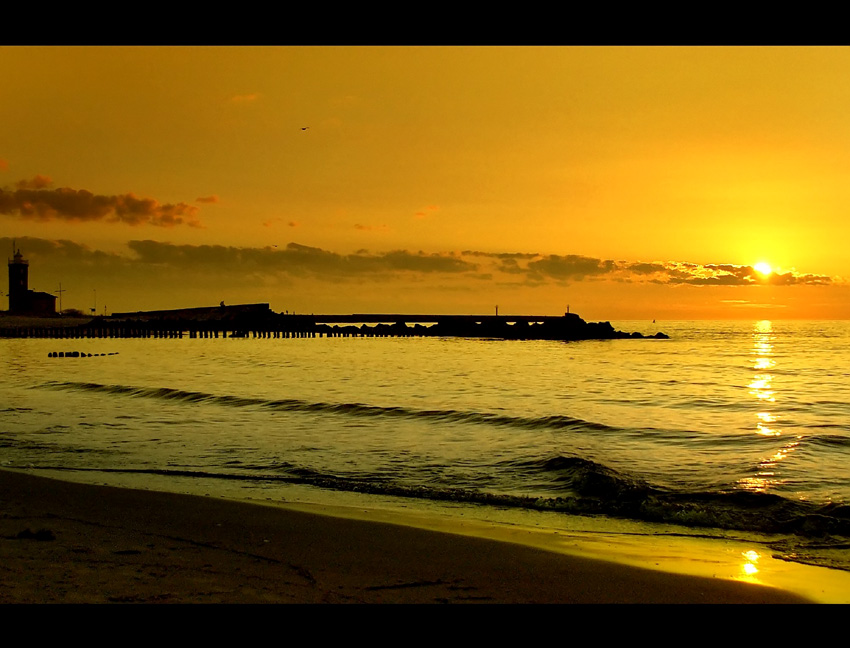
(736, 426)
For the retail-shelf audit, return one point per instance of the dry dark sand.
(63, 542)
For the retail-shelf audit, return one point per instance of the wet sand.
(64, 542)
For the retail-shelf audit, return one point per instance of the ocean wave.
(552, 422)
(591, 489)
(830, 440)
(570, 484)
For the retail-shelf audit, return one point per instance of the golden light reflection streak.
(749, 568)
(761, 388)
(761, 385)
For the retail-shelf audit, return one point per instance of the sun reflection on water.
(761, 387)
(765, 419)
(750, 567)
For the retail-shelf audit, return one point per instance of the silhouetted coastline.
(258, 320)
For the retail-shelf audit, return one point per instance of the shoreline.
(71, 542)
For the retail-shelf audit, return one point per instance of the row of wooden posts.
(59, 332)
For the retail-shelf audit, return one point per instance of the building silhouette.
(23, 301)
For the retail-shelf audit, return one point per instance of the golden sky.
(627, 182)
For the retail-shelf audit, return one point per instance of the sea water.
(730, 427)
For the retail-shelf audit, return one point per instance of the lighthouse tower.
(22, 300)
(18, 284)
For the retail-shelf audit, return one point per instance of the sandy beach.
(63, 542)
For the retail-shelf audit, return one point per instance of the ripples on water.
(736, 425)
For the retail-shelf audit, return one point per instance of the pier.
(259, 321)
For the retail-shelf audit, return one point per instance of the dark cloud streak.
(298, 260)
(32, 200)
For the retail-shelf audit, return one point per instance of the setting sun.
(763, 268)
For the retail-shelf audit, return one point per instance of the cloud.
(4, 165)
(743, 303)
(426, 211)
(734, 275)
(67, 250)
(537, 268)
(68, 255)
(370, 228)
(571, 266)
(502, 255)
(296, 259)
(421, 262)
(207, 199)
(792, 277)
(245, 98)
(38, 182)
(646, 268)
(32, 200)
(278, 219)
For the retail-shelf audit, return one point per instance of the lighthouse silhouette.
(22, 300)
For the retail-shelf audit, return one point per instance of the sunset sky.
(625, 182)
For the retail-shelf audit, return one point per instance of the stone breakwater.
(227, 323)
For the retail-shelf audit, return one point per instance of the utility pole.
(94, 310)
(59, 292)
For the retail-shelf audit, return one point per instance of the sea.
(734, 429)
